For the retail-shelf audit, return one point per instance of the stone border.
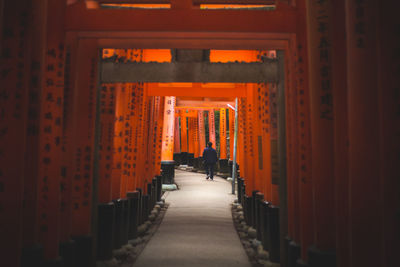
(257, 255)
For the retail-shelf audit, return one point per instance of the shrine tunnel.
(100, 101)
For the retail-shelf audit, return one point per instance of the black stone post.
(239, 189)
(254, 209)
(118, 225)
(265, 228)
(258, 210)
(105, 231)
(159, 187)
(294, 253)
(230, 165)
(177, 159)
(274, 233)
(149, 191)
(190, 157)
(125, 221)
(318, 257)
(184, 158)
(145, 207)
(223, 168)
(168, 172)
(67, 252)
(133, 198)
(248, 210)
(140, 217)
(154, 192)
(84, 251)
(32, 256)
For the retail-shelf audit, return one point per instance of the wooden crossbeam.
(78, 18)
(190, 72)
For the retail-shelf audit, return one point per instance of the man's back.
(210, 155)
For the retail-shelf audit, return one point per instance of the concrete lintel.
(190, 72)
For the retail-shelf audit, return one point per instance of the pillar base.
(274, 234)
(32, 256)
(184, 158)
(265, 229)
(105, 233)
(190, 157)
(168, 171)
(301, 263)
(159, 187)
(84, 251)
(317, 258)
(54, 263)
(195, 165)
(223, 168)
(118, 224)
(177, 159)
(67, 252)
(294, 253)
(133, 198)
(201, 165)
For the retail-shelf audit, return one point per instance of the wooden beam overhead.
(202, 72)
(78, 18)
(154, 89)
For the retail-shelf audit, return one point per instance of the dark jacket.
(210, 155)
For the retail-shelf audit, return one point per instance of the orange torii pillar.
(211, 127)
(320, 27)
(177, 140)
(231, 114)
(106, 208)
(196, 152)
(167, 152)
(13, 127)
(190, 140)
(298, 251)
(184, 138)
(160, 125)
(202, 139)
(85, 92)
(365, 171)
(116, 174)
(223, 160)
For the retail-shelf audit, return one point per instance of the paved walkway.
(197, 229)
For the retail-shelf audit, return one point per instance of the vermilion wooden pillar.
(190, 135)
(231, 114)
(389, 100)
(305, 184)
(196, 135)
(142, 139)
(85, 95)
(264, 120)
(156, 126)
(68, 138)
(258, 152)
(273, 129)
(184, 134)
(177, 136)
(50, 132)
(118, 140)
(319, 20)
(107, 117)
(249, 153)
(222, 133)
(363, 110)
(202, 134)
(167, 152)
(125, 135)
(339, 87)
(211, 127)
(242, 137)
(15, 66)
(160, 124)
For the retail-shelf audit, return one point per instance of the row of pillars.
(80, 164)
(328, 192)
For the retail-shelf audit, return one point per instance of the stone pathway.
(197, 229)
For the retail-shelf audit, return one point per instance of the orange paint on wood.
(116, 173)
(160, 123)
(85, 94)
(168, 129)
(107, 117)
(231, 117)
(211, 127)
(305, 183)
(222, 133)
(184, 133)
(202, 133)
(177, 136)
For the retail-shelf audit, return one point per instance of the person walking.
(210, 158)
